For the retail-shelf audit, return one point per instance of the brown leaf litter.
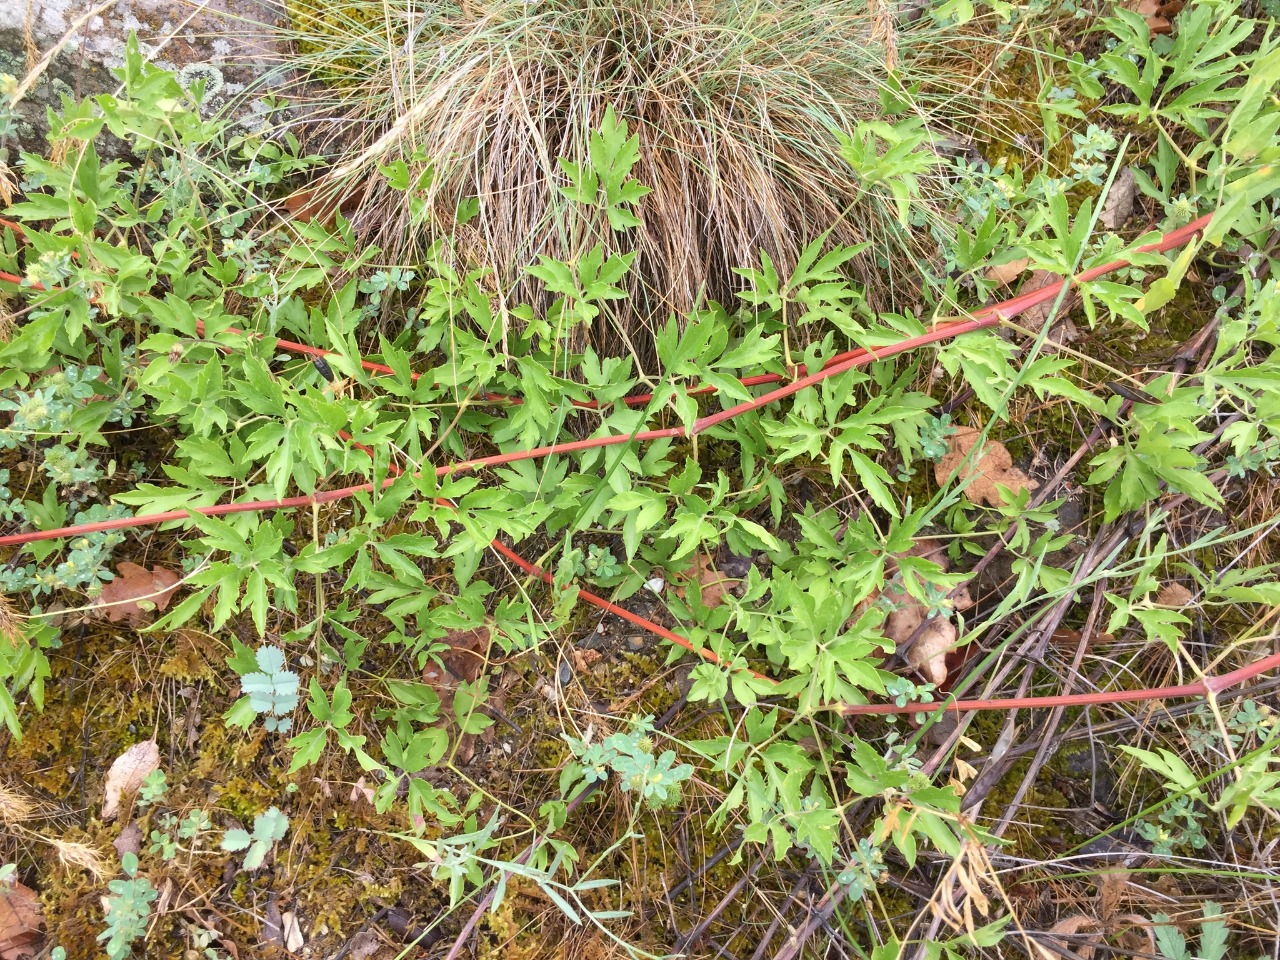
(983, 473)
(135, 592)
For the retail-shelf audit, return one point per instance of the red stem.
(986, 317)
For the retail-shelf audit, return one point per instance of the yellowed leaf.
(127, 773)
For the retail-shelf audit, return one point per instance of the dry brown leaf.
(21, 921)
(322, 201)
(1037, 316)
(712, 583)
(1173, 595)
(123, 598)
(272, 923)
(1065, 638)
(1005, 273)
(127, 773)
(994, 466)
(462, 662)
(166, 897)
(1119, 206)
(1142, 927)
(360, 790)
(129, 841)
(364, 945)
(1112, 885)
(1159, 13)
(927, 653)
(1075, 926)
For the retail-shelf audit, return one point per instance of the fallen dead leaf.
(1065, 638)
(129, 841)
(1037, 316)
(360, 790)
(272, 923)
(1119, 206)
(1173, 595)
(1159, 13)
(927, 652)
(1134, 933)
(364, 945)
(712, 583)
(1005, 273)
(127, 773)
(1078, 925)
(994, 466)
(1112, 886)
(166, 897)
(462, 662)
(124, 597)
(323, 200)
(21, 921)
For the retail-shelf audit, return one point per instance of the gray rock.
(228, 42)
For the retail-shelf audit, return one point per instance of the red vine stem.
(986, 317)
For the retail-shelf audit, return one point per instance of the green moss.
(333, 28)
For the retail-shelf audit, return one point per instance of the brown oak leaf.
(133, 587)
(994, 466)
(462, 662)
(1005, 273)
(1159, 13)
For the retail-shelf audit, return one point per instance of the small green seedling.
(153, 788)
(268, 829)
(128, 909)
(270, 691)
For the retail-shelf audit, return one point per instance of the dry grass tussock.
(735, 104)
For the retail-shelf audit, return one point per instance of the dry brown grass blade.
(734, 107)
(15, 806)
